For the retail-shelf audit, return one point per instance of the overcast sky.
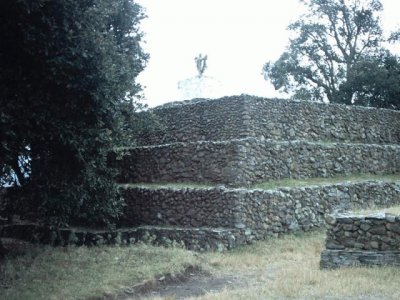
(238, 37)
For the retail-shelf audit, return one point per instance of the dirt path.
(191, 283)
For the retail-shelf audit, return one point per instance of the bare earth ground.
(200, 285)
(192, 283)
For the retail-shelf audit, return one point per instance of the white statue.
(201, 64)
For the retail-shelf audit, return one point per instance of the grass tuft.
(274, 184)
(395, 210)
(177, 185)
(355, 178)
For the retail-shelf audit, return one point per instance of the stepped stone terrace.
(223, 172)
(205, 168)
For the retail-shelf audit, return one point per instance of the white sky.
(238, 37)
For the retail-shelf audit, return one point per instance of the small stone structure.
(362, 240)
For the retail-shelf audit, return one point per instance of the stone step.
(243, 162)
(275, 184)
(264, 212)
(198, 239)
(332, 259)
(256, 214)
(246, 116)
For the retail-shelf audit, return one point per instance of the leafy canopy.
(336, 43)
(67, 80)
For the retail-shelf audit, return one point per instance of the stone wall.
(268, 160)
(204, 162)
(176, 217)
(262, 212)
(288, 120)
(199, 120)
(192, 207)
(245, 116)
(284, 210)
(247, 161)
(199, 239)
(362, 240)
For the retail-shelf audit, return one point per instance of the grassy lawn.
(281, 268)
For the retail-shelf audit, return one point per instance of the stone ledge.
(197, 239)
(278, 142)
(246, 116)
(244, 162)
(271, 211)
(245, 97)
(331, 259)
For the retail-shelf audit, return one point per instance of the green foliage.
(68, 70)
(336, 44)
(375, 81)
(394, 36)
(139, 125)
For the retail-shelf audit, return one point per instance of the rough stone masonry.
(244, 116)
(362, 240)
(232, 143)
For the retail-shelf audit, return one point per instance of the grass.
(395, 210)
(279, 268)
(182, 185)
(288, 268)
(81, 273)
(274, 184)
(354, 178)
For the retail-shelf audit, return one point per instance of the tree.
(375, 81)
(68, 71)
(395, 36)
(330, 43)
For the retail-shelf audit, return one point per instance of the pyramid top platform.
(245, 116)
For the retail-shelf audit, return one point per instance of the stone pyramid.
(217, 175)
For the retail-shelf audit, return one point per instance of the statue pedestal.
(199, 87)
